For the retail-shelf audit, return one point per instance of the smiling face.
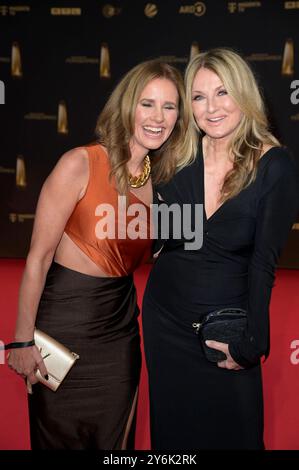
(155, 116)
(215, 112)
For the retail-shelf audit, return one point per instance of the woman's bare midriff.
(69, 255)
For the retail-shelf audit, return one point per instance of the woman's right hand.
(25, 362)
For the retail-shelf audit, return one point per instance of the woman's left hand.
(229, 363)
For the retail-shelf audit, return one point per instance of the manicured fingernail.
(46, 377)
(208, 342)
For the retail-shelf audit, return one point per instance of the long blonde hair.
(115, 125)
(253, 130)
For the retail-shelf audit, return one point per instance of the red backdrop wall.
(280, 372)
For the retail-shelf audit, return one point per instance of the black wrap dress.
(195, 404)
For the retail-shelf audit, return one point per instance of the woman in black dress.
(248, 186)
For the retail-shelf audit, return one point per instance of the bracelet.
(19, 344)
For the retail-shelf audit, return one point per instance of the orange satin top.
(101, 229)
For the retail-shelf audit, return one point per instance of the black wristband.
(24, 344)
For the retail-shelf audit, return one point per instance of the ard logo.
(2, 92)
(198, 9)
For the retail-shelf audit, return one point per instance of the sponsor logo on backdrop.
(105, 61)
(295, 94)
(241, 7)
(2, 92)
(263, 57)
(150, 10)
(9, 171)
(33, 116)
(21, 181)
(110, 10)
(291, 5)
(197, 9)
(63, 11)
(16, 61)
(12, 10)
(287, 67)
(16, 217)
(62, 121)
(172, 59)
(81, 59)
(294, 358)
(102, 62)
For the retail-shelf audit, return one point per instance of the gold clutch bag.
(57, 358)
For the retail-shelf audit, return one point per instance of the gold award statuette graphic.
(62, 124)
(105, 61)
(16, 61)
(287, 67)
(194, 50)
(21, 181)
(150, 10)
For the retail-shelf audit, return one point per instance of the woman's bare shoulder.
(74, 161)
(71, 171)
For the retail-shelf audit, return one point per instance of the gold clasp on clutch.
(44, 357)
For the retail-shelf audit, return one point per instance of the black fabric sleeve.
(277, 209)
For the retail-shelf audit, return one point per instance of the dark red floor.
(281, 371)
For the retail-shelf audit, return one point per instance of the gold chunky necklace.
(140, 180)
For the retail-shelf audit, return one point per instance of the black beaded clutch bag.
(223, 325)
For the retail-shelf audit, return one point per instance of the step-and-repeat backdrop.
(59, 60)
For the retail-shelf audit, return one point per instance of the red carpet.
(281, 377)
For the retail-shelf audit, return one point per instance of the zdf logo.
(2, 92)
(294, 357)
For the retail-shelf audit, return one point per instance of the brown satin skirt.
(96, 318)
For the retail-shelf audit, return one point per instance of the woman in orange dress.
(78, 285)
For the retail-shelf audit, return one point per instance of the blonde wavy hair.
(253, 130)
(115, 125)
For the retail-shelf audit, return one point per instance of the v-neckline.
(148, 207)
(203, 190)
(262, 159)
